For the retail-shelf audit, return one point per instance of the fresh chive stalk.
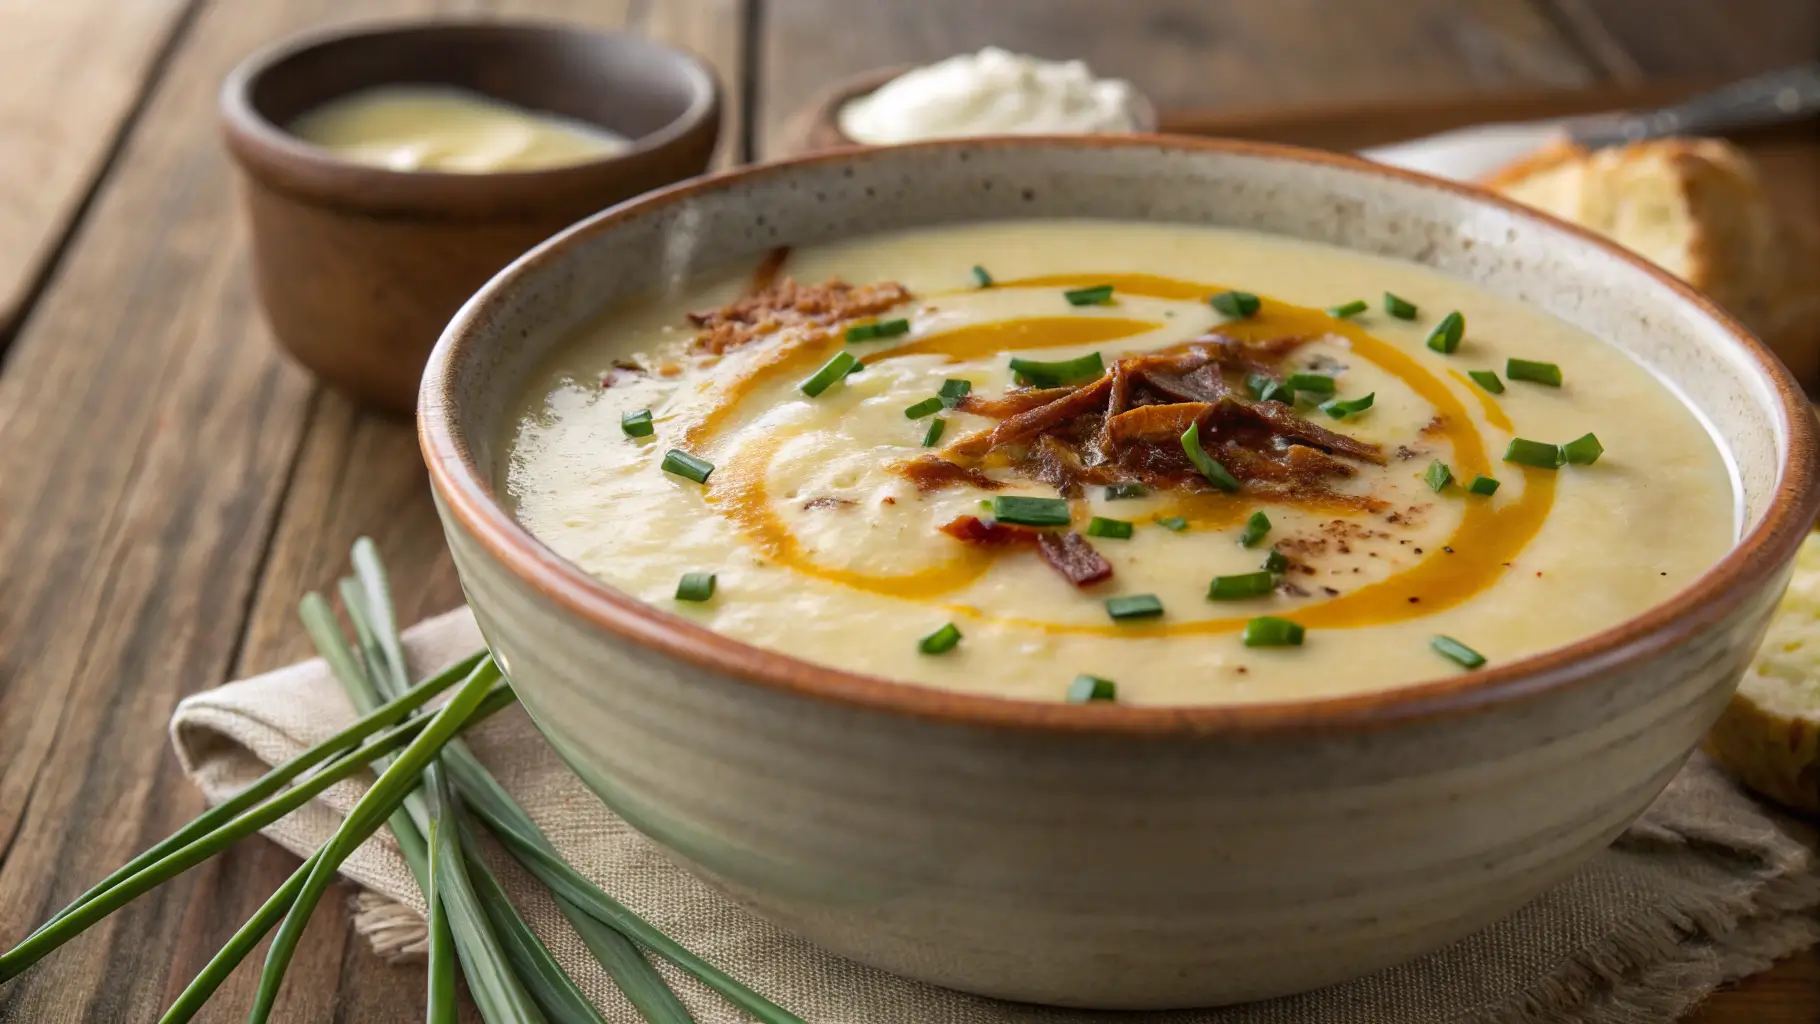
(1134, 606)
(1534, 453)
(1483, 485)
(878, 329)
(1174, 524)
(1096, 295)
(1271, 631)
(953, 390)
(980, 277)
(1312, 383)
(1547, 374)
(1348, 310)
(695, 586)
(681, 463)
(1400, 308)
(637, 424)
(926, 407)
(1487, 379)
(1438, 476)
(941, 641)
(1120, 492)
(1445, 338)
(832, 370)
(1100, 526)
(1255, 529)
(1215, 473)
(1276, 562)
(1241, 586)
(1235, 304)
(1265, 388)
(1086, 689)
(934, 433)
(1456, 652)
(1028, 511)
(1582, 451)
(1060, 372)
(1340, 408)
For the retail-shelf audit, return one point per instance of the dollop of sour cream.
(425, 128)
(992, 92)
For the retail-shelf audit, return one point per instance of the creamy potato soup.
(1103, 461)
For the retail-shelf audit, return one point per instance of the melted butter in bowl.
(430, 128)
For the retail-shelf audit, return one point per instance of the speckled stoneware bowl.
(1112, 856)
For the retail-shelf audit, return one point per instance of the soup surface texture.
(430, 128)
(845, 527)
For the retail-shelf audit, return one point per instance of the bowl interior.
(656, 242)
(623, 83)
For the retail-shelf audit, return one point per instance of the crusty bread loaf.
(1696, 208)
(1769, 736)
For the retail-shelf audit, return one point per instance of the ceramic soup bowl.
(1119, 856)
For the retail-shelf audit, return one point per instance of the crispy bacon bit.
(931, 473)
(826, 502)
(1028, 424)
(1155, 424)
(788, 304)
(1068, 553)
(1071, 555)
(1012, 402)
(620, 372)
(1435, 425)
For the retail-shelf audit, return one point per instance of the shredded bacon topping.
(784, 303)
(1067, 552)
(932, 473)
(1126, 427)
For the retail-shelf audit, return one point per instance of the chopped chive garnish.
(855, 368)
(637, 424)
(926, 407)
(1134, 606)
(934, 433)
(1063, 371)
(1582, 451)
(1457, 652)
(1235, 304)
(1265, 388)
(1340, 408)
(1098, 295)
(1276, 561)
(1118, 492)
(1402, 309)
(1015, 508)
(695, 586)
(1534, 453)
(1438, 476)
(1086, 689)
(1174, 524)
(1313, 383)
(953, 390)
(1445, 338)
(881, 329)
(1483, 485)
(980, 277)
(1241, 586)
(1348, 309)
(1535, 373)
(1255, 529)
(1215, 473)
(1488, 380)
(683, 464)
(831, 371)
(1270, 631)
(1100, 526)
(941, 641)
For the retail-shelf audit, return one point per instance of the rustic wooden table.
(171, 484)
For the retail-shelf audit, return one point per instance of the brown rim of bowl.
(1750, 565)
(287, 162)
(816, 127)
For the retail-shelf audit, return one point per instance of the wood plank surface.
(74, 72)
(150, 431)
(173, 485)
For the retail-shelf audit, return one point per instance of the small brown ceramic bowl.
(817, 126)
(360, 267)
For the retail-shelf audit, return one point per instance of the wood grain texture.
(1638, 38)
(1181, 53)
(148, 430)
(74, 72)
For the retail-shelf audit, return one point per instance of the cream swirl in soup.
(1156, 464)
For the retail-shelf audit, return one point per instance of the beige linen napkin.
(1709, 886)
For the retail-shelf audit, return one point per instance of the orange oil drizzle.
(1490, 534)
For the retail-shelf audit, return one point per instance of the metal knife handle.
(1774, 98)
